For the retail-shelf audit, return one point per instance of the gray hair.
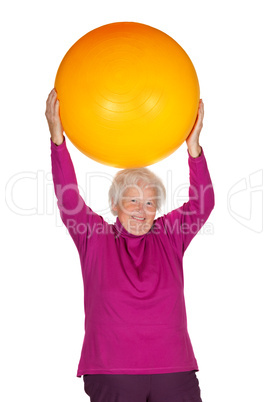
(131, 177)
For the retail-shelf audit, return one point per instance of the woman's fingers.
(201, 106)
(53, 116)
(52, 104)
(57, 107)
(200, 116)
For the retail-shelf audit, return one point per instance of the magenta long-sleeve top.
(135, 315)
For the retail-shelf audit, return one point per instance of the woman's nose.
(139, 206)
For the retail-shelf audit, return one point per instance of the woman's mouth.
(138, 218)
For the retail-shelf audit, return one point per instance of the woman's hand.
(192, 140)
(53, 118)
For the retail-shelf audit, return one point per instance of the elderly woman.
(136, 346)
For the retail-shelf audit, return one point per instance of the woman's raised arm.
(78, 218)
(184, 222)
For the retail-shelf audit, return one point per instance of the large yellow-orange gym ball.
(128, 93)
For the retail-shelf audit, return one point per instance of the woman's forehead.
(141, 189)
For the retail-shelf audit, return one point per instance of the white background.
(41, 290)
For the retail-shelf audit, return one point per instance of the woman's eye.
(133, 200)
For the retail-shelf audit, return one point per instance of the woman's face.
(137, 208)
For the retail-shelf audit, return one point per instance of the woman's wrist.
(195, 150)
(57, 140)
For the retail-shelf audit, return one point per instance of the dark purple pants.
(168, 387)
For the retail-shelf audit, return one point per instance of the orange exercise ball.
(128, 93)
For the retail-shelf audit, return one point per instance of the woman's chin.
(138, 228)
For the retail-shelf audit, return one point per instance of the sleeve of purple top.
(78, 218)
(185, 222)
